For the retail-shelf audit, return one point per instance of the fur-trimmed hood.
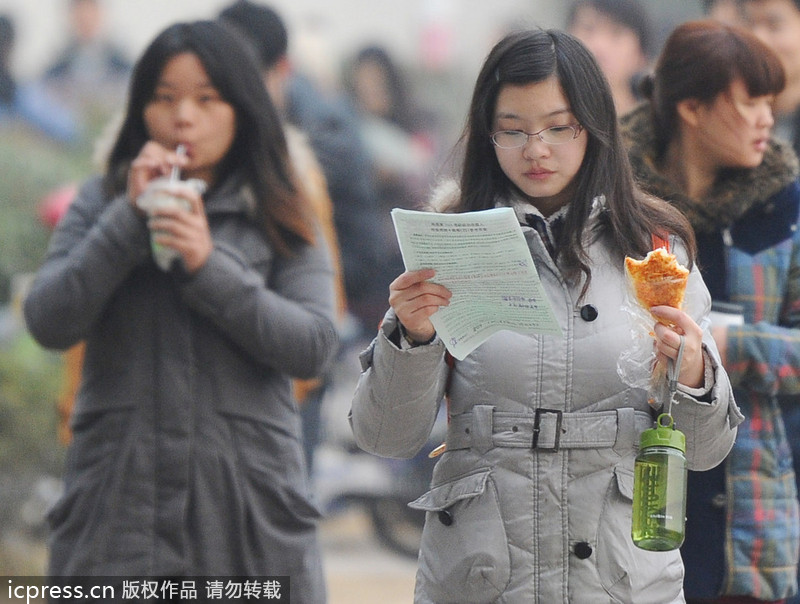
(734, 193)
(444, 195)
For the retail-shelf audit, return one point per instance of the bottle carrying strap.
(673, 371)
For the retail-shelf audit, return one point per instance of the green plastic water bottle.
(659, 488)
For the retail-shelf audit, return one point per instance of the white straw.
(175, 174)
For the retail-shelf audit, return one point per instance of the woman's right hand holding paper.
(415, 299)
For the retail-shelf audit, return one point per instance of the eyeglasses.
(555, 135)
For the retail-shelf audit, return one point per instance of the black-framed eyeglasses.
(555, 135)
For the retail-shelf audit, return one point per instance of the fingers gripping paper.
(483, 259)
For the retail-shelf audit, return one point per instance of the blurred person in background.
(267, 34)
(186, 456)
(399, 137)
(335, 139)
(7, 84)
(704, 143)
(619, 35)
(27, 102)
(777, 22)
(90, 73)
(725, 11)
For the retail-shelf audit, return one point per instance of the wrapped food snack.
(659, 279)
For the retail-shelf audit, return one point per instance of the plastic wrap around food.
(657, 280)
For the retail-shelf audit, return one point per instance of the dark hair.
(708, 5)
(631, 217)
(630, 13)
(700, 60)
(258, 150)
(263, 27)
(7, 36)
(7, 84)
(796, 2)
(399, 112)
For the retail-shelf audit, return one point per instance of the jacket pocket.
(658, 575)
(464, 553)
(614, 542)
(90, 476)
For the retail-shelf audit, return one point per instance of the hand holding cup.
(178, 229)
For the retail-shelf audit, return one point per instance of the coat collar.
(734, 193)
(231, 196)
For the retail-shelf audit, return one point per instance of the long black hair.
(258, 151)
(630, 216)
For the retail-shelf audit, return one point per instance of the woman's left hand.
(185, 231)
(668, 339)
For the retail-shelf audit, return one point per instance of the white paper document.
(483, 259)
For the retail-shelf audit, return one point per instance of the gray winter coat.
(186, 458)
(510, 521)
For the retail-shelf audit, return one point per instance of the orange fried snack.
(658, 280)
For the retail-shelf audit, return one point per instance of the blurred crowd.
(390, 159)
(380, 136)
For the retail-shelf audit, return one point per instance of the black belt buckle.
(536, 429)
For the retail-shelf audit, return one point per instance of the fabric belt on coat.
(546, 430)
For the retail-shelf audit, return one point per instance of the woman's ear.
(689, 111)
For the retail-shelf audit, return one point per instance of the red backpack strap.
(660, 240)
